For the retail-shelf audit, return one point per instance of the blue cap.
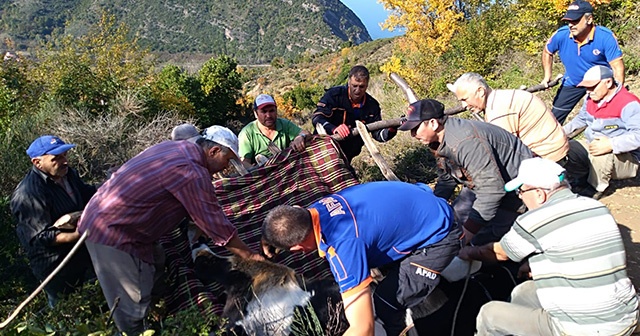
(48, 144)
(577, 9)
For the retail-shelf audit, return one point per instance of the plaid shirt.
(36, 204)
(150, 194)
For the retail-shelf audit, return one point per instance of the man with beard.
(580, 44)
(258, 138)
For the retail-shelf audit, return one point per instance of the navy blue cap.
(577, 9)
(421, 110)
(48, 144)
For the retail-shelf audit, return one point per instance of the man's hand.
(298, 143)
(236, 246)
(67, 237)
(268, 250)
(600, 146)
(524, 271)
(545, 81)
(343, 131)
(256, 257)
(467, 252)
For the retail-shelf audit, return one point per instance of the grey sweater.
(483, 157)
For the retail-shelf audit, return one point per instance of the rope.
(46, 281)
(464, 290)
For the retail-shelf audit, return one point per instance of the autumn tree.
(445, 38)
(429, 27)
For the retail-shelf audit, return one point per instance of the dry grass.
(110, 140)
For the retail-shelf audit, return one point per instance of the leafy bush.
(87, 72)
(82, 313)
(303, 96)
(221, 83)
(191, 321)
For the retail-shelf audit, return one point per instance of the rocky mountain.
(252, 31)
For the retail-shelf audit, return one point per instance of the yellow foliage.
(430, 27)
(429, 24)
(286, 110)
(535, 20)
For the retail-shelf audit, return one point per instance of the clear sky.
(371, 13)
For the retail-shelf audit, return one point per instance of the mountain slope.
(251, 31)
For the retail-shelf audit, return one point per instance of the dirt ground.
(623, 199)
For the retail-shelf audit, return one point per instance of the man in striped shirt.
(576, 258)
(146, 198)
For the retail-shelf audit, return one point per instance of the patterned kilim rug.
(287, 178)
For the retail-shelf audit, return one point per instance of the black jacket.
(335, 108)
(36, 204)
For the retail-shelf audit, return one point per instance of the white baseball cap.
(537, 172)
(222, 136)
(262, 101)
(594, 75)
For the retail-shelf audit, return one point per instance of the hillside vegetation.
(250, 31)
(104, 91)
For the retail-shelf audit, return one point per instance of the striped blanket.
(287, 178)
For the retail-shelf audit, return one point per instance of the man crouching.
(401, 226)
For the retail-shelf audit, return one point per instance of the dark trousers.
(577, 165)
(410, 281)
(566, 99)
(71, 276)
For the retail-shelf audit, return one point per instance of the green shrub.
(303, 96)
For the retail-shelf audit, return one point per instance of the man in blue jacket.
(402, 226)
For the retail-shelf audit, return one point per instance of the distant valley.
(250, 31)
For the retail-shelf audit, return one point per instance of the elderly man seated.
(576, 260)
(611, 148)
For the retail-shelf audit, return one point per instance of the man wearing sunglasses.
(575, 257)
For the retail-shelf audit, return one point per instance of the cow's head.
(266, 298)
